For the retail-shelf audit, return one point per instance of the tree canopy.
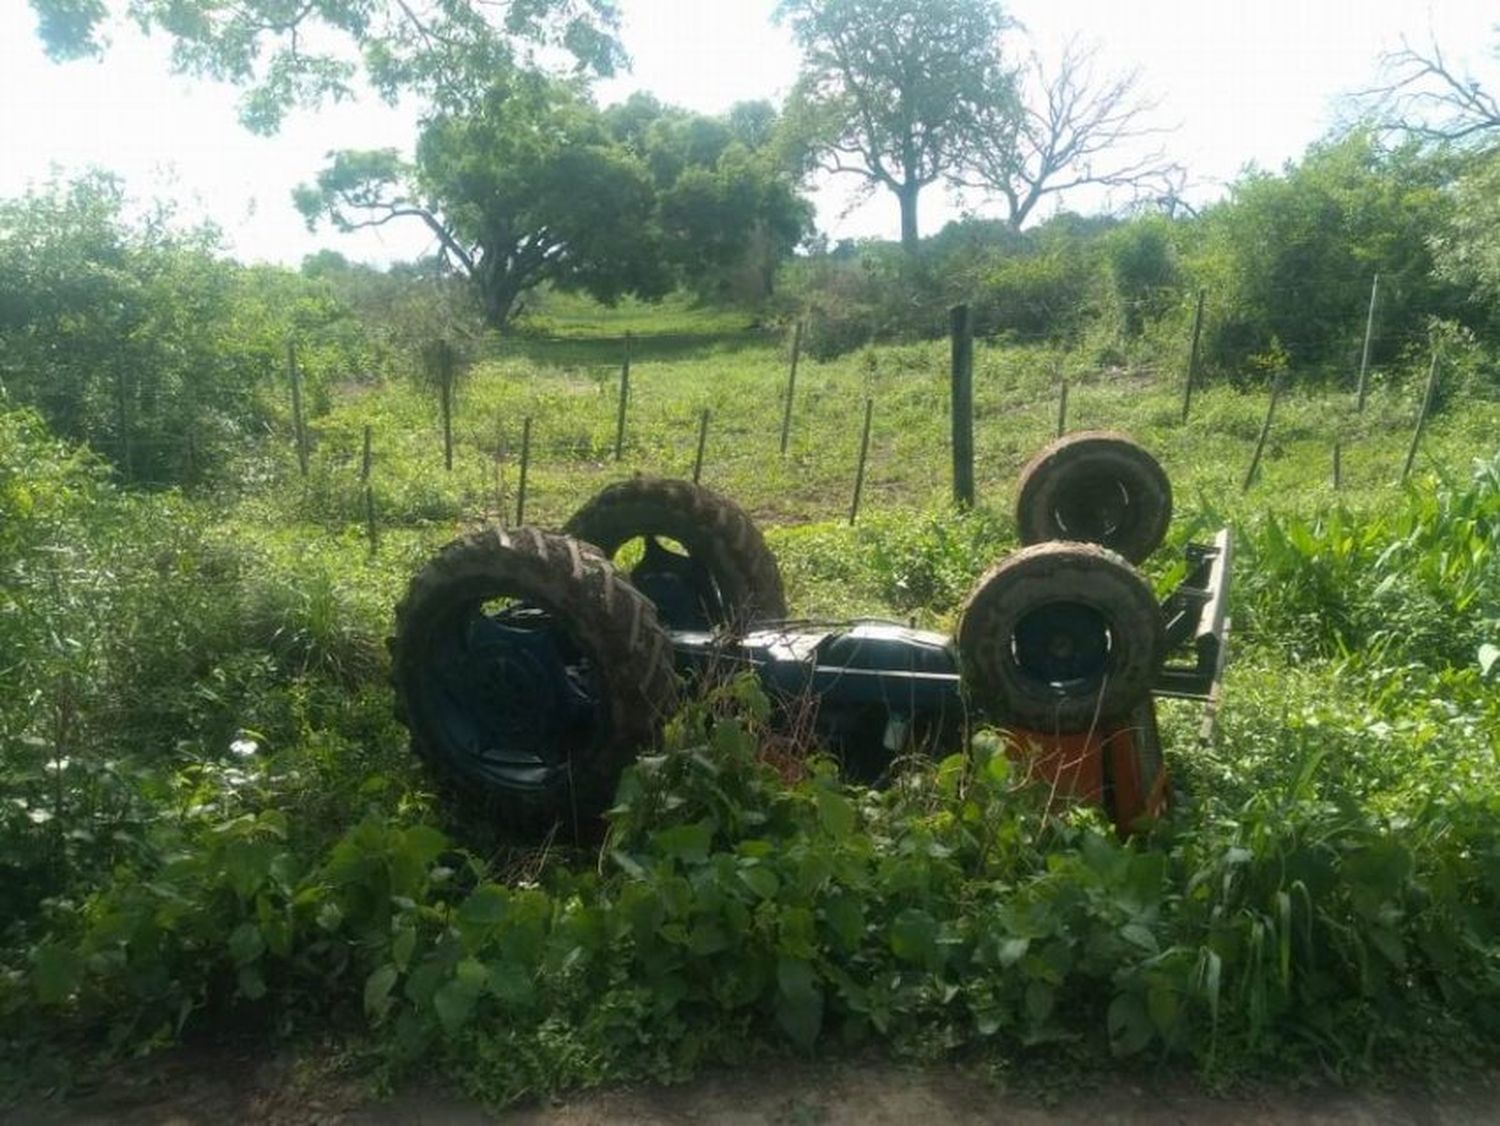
(535, 184)
(305, 52)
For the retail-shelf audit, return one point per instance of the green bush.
(142, 341)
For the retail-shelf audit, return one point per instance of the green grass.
(570, 390)
(1323, 900)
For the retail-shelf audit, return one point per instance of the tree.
(141, 340)
(1425, 97)
(1069, 128)
(1468, 252)
(304, 52)
(1289, 257)
(535, 184)
(527, 187)
(890, 90)
(729, 208)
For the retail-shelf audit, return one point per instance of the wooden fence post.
(624, 399)
(1062, 409)
(864, 451)
(1427, 395)
(1265, 430)
(299, 422)
(364, 461)
(1192, 370)
(963, 406)
(1364, 356)
(791, 388)
(1338, 465)
(702, 441)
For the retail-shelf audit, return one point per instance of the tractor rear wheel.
(1095, 487)
(723, 574)
(529, 673)
(1060, 637)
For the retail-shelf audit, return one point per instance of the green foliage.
(1414, 583)
(530, 183)
(144, 342)
(1292, 256)
(1468, 254)
(208, 818)
(302, 57)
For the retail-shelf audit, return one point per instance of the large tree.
(535, 184)
(303, 52)
(891, 90)
(1071, 126)
(526, 187)
(729, 208)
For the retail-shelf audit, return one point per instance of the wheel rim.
(682, 587)
(1064, 645)
(1097, 508)
(509, 694)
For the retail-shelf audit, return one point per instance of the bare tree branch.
(1071, 128)
(1425, 97)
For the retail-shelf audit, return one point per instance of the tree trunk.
(907, 194)
(499, 297)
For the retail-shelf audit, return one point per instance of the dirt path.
(225, 1091)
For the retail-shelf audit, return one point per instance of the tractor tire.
(1095, 487)
(535, 716)
(1060, 637)
(716, 533)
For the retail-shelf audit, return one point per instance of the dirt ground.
(231, 1089)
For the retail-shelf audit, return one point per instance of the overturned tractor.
(531, 668)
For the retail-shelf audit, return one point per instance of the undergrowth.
(209, 817)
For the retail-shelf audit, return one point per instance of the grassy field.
(684, 362)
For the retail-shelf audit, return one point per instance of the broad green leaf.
(1040, 998)
(799, 1001)
(1162, 1006)
(486, 906)
(246, 943)
(914, 936)
(835, 814)
(252, 983)
(423, 843)
(761, 880)
(55, 972)
(846, 918)
(512, 983)
(688, 843)
(378, 988)
(1130, 1028)
(403, 945)
(454, 1003)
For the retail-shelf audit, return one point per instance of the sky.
(1236, 82)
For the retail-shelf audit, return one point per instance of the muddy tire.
(717, 534)
(529, 673)
(1059, 637)
(1095, 487)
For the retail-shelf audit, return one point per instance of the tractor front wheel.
(529, 673)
